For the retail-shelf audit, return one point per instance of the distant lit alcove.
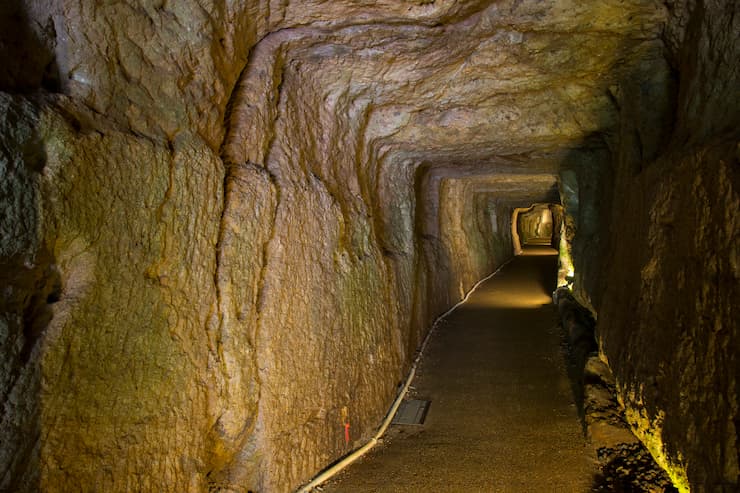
(539, 224)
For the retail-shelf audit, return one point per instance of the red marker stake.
(346, 433)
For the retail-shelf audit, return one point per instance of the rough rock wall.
(112, 198)
(118, 382)
(28, 279)
(92, 357)
(107, 356)
(668, 316)
(585, 193)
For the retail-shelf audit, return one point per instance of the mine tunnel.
(229, 231)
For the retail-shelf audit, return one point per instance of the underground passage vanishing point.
(227, 228)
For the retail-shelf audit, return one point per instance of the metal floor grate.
(411, 412)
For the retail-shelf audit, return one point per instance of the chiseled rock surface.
(228, 221)
(681, 395)
(27, 279)
(103, 329)
(668, 318)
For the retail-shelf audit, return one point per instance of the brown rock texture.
(668, 316)
(223, 223)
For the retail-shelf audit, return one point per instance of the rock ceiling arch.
(523, 86)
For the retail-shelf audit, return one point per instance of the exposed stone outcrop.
(624, 464)
(121, 310)
(681, 394)
(223, 223)
(668, 316)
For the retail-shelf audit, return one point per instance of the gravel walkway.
(502, 417)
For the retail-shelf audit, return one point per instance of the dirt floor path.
(502, 415)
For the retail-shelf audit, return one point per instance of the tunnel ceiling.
(524, 85)
(508, 87)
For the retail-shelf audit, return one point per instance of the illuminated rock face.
(535, 225)
(114, 378)
(668, 318)
(224, 223)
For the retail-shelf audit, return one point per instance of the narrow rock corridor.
(502, 415)
(227, 228)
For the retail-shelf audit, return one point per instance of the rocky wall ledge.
(624, 463)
